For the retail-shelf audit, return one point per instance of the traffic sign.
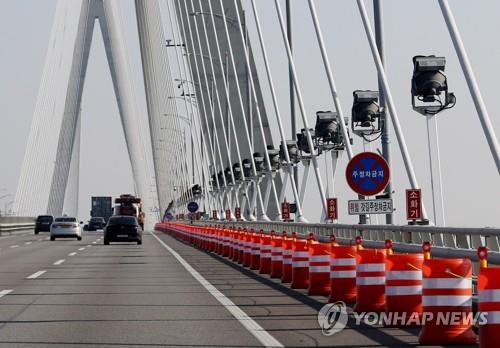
(413, 204)
(237, 212)
(285, 211)
(370, 206)
(367, 173)
(169, 216)
(192, 207)
(332, 208)
(228, 214)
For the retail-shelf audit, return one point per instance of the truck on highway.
(128, 204)
(101, 207)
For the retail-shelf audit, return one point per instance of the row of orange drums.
(412, 289)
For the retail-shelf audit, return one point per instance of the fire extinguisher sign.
(332, 208)
(414, 204)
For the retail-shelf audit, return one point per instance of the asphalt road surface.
(72, 293)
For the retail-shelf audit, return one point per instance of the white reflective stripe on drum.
(265, 256)
(277, 250)
(403, 290)
(370, 281)
(447, 283)
(447, 300)
(491, 295)
(319, 258)
(343, 274)
(287, 252)
(343, 262)
(276, 258)
(371, 267)
(404, 275)
(265, 249)
(300, 264)
(492, 317)
(319, 269)
(287, 261)
(255, 252)
(300, 254)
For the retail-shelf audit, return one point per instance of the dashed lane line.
(27, 243)
(14, 246)
(36, 274)
(248, 323)
(80, 249)
(58, 262)
(72, 254)
(5, 292)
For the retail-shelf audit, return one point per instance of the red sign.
(228, 214)
(332, 208)
(285, 210)
(367, 173)
(237, 212)
(413, 204)
(214, 214)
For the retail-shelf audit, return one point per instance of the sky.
(470, 180)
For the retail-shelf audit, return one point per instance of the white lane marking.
(88, 246)
(72, 254)
(28, 243)
(14, 246)
(5, 292)
(251, 325)
(80, 249)
(58, 262)
(36, 274)
(94, 242)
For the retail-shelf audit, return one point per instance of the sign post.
(413, 204)
(192, 207)
(367, 173)
(332, 208)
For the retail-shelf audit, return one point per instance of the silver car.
(65, 227)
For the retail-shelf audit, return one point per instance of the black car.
(122, 228)
(43, 223)
(96, 223)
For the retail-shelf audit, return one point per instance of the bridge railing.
(14, 223)
(446, 241)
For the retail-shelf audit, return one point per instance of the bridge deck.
(128, 295)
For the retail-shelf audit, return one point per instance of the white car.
(65, 227)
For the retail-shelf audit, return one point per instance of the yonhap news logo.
(332, 318)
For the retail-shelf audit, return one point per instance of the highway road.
(72, 293)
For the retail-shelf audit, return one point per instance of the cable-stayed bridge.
(252, 123)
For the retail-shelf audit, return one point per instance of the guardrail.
(15, 223)
(446, 241)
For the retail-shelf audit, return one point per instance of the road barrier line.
(27, 243)
(14, 246)
(5, 292)
(72, 254)
(58, 262)
(80, 249)
(255, 329)
(36, 274)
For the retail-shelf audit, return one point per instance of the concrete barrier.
(15, 223)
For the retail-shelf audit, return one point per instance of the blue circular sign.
(192, 207)
(367, 173)
(169, 216)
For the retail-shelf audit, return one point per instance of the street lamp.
(366, 113)
(429, 86)
(328, 133)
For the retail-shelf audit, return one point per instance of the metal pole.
(390, 103)
(484, 118)
(303, 112)
(436, 177)
(384, 115)
(291, 84)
